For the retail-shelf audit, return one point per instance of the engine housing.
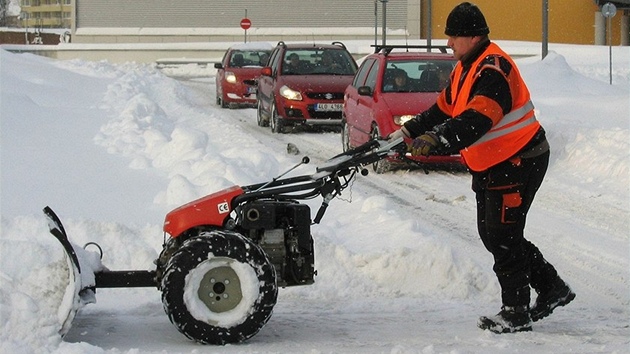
(283, 230)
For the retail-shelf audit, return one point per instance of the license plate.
(329, 107)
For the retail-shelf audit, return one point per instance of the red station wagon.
(390, 88)
(304, 84)
(237, 73)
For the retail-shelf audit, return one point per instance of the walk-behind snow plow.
(225, 255)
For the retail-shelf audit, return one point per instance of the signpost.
(246, 24)
(609, 10)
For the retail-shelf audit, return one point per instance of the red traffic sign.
(246, 23)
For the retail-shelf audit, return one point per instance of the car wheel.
(221, 102)
(277, 125)
(261, 119)
(345, 136)
(219, 98)
(219, 288)
(380, 166)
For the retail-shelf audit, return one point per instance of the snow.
(112, 148)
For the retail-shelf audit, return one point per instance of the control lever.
(305, 160)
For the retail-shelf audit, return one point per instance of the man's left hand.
(424, 144)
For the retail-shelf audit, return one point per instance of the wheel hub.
(220, 289)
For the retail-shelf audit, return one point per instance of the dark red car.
(237, 73)
(390, 88)
(304, 84)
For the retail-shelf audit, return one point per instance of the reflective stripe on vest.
(498, 131)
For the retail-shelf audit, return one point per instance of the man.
(293, 66)
(485, 113)
(332, 62)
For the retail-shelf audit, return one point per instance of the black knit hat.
(466, 20)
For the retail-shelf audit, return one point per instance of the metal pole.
(610, 48)
(429, 24)
(375, 22)
(545, 28)
(245, 30)
(384, 29)
(609, 10)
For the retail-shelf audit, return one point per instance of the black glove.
(424, 144)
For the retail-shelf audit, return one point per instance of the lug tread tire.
(194, 252)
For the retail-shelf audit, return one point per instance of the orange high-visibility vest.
(509, 132)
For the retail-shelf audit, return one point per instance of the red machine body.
(212, 209)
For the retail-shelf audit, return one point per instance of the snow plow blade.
(81, 286)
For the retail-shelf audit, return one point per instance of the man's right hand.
(424, 144)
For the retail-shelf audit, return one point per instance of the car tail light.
(400, 120)
(230, 77)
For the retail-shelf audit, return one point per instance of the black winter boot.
(510, 319)
(559, 295)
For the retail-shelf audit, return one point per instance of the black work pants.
(504, 194)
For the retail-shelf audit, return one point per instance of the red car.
(390, 88)
(304, 84)
(237, 73)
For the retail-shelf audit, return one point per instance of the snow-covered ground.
(113, 148)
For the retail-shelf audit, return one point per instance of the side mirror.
(365, 91)
(218, 66)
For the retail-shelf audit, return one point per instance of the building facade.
(569, 21)
(147, 21)
(45, 13)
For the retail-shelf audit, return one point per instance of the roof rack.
(339, 44)
(386, 49)
(282, 44)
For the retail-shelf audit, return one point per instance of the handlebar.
(362, 155)
(330, 178)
